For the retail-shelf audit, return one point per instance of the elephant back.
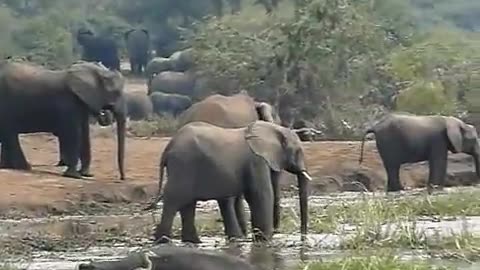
(225, 111)
(173, 82)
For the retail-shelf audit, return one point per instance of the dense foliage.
(313, 59)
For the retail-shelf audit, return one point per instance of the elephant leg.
(393, 177)
(230, 223)
(437, 170)
(260, 201)
(72, 135)
(85, 152)
(163, 231)
(189, 232)
(12, 154)
(240, 212)
(61, 149)
(275, 179)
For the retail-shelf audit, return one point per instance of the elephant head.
(266, 113)
(101, 89)
(83, 35)
(463, 137)
(281, 149)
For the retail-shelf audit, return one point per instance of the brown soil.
(334, 166)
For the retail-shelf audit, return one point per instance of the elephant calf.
(139, 106)
(226, 163)
(171, 258)
(173, 104)
(405, 138)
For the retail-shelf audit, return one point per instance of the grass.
(384, 262)
(157, 126)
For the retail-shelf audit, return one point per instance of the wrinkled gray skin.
(173, 104)
(171, 258)
(139, 106)
(234, 111)
(173, 82)
(255, 157)
(182, 61)
(156, 66)
(34, 99)
(138, 47)
(405, 138)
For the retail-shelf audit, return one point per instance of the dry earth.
(334, 166)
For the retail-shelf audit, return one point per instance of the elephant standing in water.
(138, 47)
(35, 99)
(404, 138)
(255, 155)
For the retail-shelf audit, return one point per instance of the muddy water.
(285, 252)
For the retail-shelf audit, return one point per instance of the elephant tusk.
(306, 175)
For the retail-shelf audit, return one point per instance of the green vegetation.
(379, 262)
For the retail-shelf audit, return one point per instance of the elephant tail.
(163, 163)
(368, 131)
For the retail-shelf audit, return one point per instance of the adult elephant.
(235, 111)
(256, 155)
(171, 258)
(35, 99)
(138, 47)
(155, 66)
(139, 106)
(173, 82)
(405, 138)
(99, 49)
(172, 104)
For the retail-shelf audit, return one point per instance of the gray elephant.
(173, 82)
(155, 66)
(139, 106)
(182, 61)
(35, 99)
(255, 157)
(171, 258)
(234, 111)
(99, 49)
(172, 104)
(138, 47)
(405, 138)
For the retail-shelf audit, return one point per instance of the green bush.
(426, 97)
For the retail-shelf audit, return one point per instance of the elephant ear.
(264, 111)
(455, 133)
(84, 82)
(266, 141)
(125, 36)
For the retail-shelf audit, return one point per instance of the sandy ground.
(42, 191)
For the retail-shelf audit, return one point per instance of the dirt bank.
(42, 191)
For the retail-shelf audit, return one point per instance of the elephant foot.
(61, 163)
(18, 166)
(162, 240)
(395, 188)
(86, 173)
(72, 174)
(191, 239)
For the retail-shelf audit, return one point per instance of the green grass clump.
(388, 262)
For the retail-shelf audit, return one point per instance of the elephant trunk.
(120, 118)
(476, 160)
(303, 179)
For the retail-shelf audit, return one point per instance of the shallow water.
(286, 253)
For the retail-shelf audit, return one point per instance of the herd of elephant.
(227, 148)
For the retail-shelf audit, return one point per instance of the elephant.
(155, 66)
(304, 132)
(256, 155)
(138, 47)
(99, 49)
(139, 106)
(182, 61)
(234, 111)
(36, 99)
(406, 138)
(173, 82)
(171, 258)
(173, 104)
